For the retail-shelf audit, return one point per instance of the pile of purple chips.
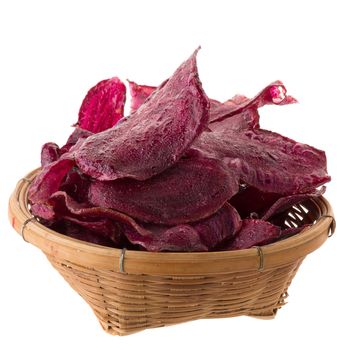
(182, 172)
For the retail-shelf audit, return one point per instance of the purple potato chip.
(44, 211)
(254, 232)
(46, 183)
(50, 152)
(103, 106)
(155, 136)
(274, 93)
(190, 190)
(250, 201)
(267, 160)
(49, 179)
(139, 94)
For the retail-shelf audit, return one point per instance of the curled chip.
(155, 136)
(275, 93)
(254, 232)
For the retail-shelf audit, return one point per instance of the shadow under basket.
(130, 291)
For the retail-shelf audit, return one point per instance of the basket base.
(126, 304)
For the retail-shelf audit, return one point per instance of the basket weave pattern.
(127, 303)
(131, 291)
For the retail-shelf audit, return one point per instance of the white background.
(53, 52)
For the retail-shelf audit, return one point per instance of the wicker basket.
(132, 290)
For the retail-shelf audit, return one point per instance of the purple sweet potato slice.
(287, 202)
(155, 136)
(190, 190)
(139, 94)
(254, 232)
(50, 152)
(250, 201)
(274, 93)
(49, 179)
(267, 160)
(46, 183)
(103, 106)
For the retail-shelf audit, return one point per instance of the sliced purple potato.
(274, 93)
(50, 152)
(254, 232)
(192, 189)
(266, 160)
(103, 106)
(155, 136)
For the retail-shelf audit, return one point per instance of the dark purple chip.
(254, 232)
(190, 190)
(49, 179)
(250, 201)
(267, 160)
(155, 136)
(275, 93)
(46, 183)
(50, 152)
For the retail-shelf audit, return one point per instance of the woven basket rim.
(164, 263)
